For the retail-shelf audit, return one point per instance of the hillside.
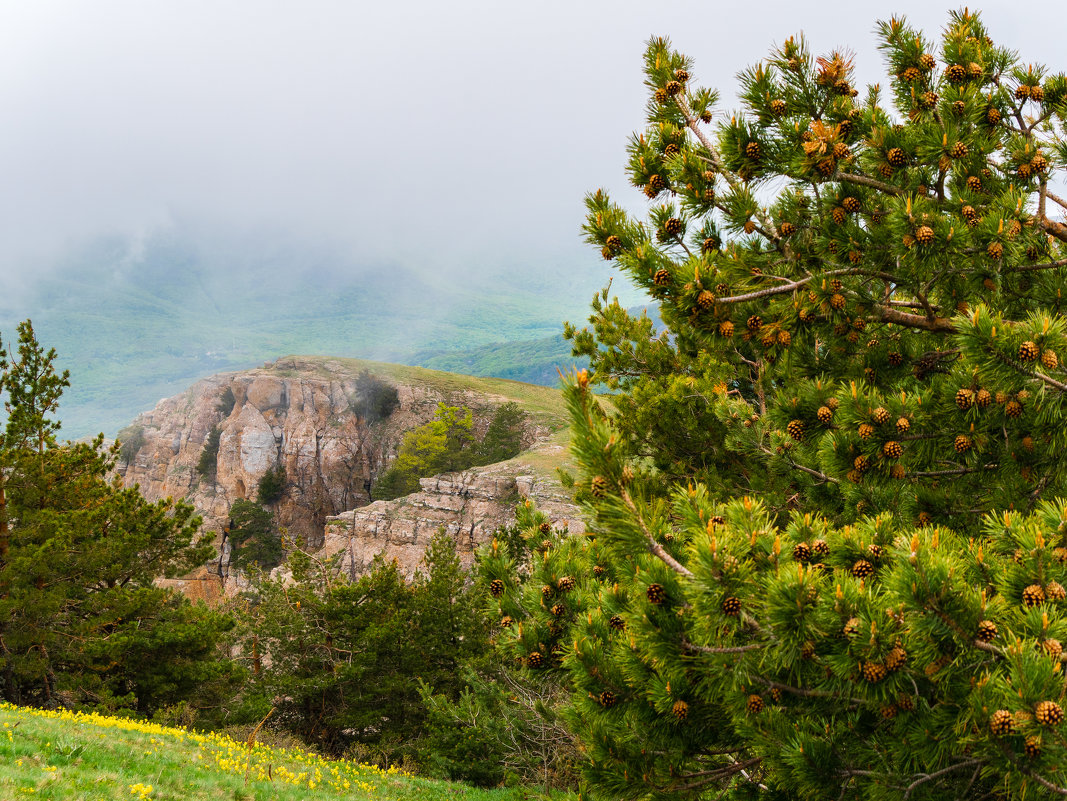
(67, 756)
(137, 322)
(302, 415)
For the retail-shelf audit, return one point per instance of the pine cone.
(754, 323)
(962, 443)
(873, 672)
(1049, 359)
(617, 623)
(987, 631)
(726, 328)
(1002, 723)
(1048, 713)
(896, 658)
(801, 552)
(1032, 746)
(496, 588)
(731, 606)
(753, 150)
(656, 594)
(1033, 595)
(956, 73)
(924, 235)
(754, 705)
(607, 699)
(566, 584)
(965, 398)
(892, 450)
(896, 157)
(661, 278)
(680, 710)
(862, 568)
(880, 415)
(598, 486)
(861, 463)
(1013, 409)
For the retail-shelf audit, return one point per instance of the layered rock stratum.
(299, 413)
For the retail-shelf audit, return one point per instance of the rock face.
(468, 506)
(298, 413)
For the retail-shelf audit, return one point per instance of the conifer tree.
(828, 541)
(80, 619)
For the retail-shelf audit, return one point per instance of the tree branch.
(654, 547)
(926, 777)
(863, 180)
(683, 105)
(887, 314)
(707, 649)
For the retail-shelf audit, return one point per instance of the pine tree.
(80, 618)
(835, 563)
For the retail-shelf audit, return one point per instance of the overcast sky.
(437, 133)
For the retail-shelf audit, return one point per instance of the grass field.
(87, 757)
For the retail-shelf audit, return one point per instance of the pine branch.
(1014, 365)
(720, 167)
(863, 180)
(927, 777)
(810, 471)
(887, 314)
(985, 646)
(654, 547)
(794, 285)
(1058, 200)
(1051, 265)
(707, 649)
(806, 693)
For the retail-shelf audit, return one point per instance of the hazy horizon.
(445, 145)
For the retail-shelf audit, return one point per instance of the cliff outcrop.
(468, 506)
(301, 414)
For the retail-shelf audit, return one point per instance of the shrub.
(208, 462)
(272, 485)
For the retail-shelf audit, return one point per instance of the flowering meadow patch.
(63, 755)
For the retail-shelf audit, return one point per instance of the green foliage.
(227, 402)
(447, 444)
(503, 438)
(346, 657)
(80, 617)
(860, 212)
(442, 445)
(865, 316)
(375, 399)
(209, 455)
(271, 486)
(131, 439)
(253, 538)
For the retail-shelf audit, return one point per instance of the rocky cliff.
(300, 413)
